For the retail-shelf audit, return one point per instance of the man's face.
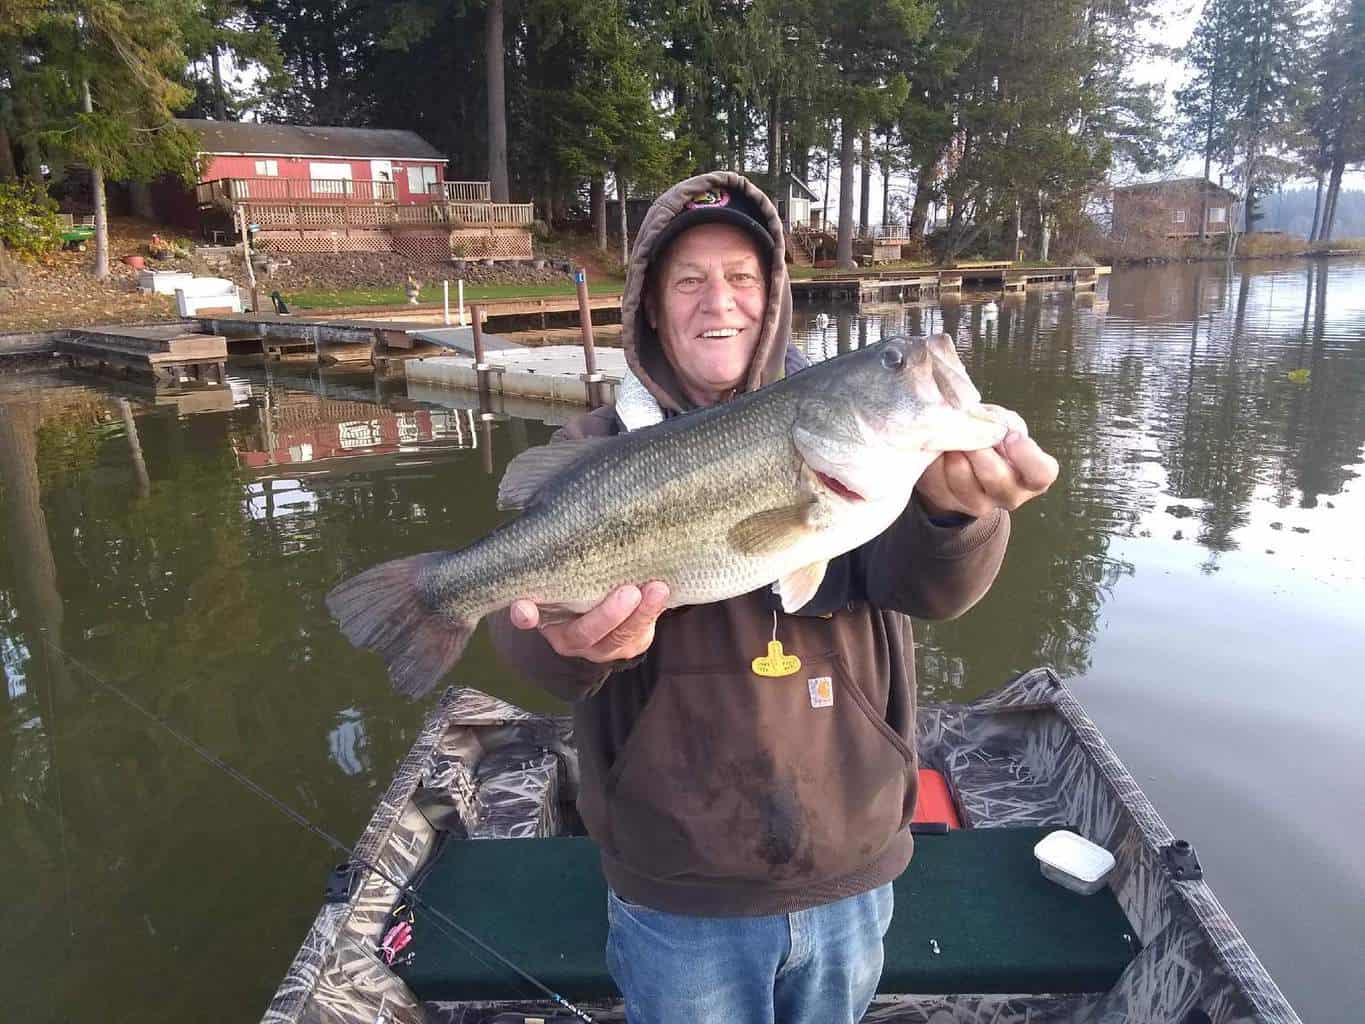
(707, 305)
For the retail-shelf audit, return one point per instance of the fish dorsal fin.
(797, 588)
(774, 529)
(530, 471)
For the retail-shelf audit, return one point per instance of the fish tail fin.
(383, 609)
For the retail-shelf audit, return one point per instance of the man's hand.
(977, 483)
(619, 628)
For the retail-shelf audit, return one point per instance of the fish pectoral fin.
(555, 614)
(530, 471)
(774, 529)
(797, 588)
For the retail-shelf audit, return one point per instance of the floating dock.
(493, 308)
(166, 354)
(905, 286)
(554, 373)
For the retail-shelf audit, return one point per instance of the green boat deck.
(998, 925)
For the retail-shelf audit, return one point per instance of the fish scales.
(661, 510)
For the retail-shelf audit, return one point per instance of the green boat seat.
(975, 895)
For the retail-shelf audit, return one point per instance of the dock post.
(459, 287)
(591, 379)
(246, 257)
(480, 364)
(445, 303)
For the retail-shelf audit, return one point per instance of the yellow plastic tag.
(775, 664)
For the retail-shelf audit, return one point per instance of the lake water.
(1197, 574)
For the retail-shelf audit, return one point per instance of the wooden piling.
(592, 378)
(476, 316)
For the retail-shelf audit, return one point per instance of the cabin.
(326, 188)
(1172, 209)
(793, 199)
(328, 163)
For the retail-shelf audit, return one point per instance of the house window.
(1178, 216)
(267, 168)
(420, 179)
(1218, 215)
(330, 179)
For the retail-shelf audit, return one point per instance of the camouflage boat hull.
(1025, 755)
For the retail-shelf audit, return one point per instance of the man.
(750, 829)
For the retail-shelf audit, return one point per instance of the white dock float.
(551, 373)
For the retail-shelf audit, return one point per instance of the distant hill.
(1291, 211)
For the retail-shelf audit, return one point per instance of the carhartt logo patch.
(821, 691)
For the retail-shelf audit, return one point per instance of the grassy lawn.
(431, 295)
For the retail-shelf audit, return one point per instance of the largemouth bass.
(765, 489)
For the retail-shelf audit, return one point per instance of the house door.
(381, 173)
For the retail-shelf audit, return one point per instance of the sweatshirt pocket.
(729, 776)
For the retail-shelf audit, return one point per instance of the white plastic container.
(1073, 861)
(206, 293)
(162, 282)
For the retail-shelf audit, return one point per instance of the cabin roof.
(223, 138)
(810, 192)
(1176, 183)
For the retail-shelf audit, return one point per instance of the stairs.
(797, 253)
(219, 257)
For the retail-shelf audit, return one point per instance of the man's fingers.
(590, 627)
(524, 614)
(1036, 468)
(995, 477)
(961, 478)
(633, 635)
(653, 599)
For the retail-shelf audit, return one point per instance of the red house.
(288, 161)
(334, 189)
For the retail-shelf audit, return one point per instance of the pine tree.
(1205, 104)
(216, 29)
(1266, 60)
(1336, 114)
(111, 72)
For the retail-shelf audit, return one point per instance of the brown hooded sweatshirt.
(712, 790)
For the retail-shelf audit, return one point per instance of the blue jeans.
(817, 966)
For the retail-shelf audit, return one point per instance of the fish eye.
(893, 358)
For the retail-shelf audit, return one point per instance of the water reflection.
(182, 549)
(1168, 410)
(293, 428)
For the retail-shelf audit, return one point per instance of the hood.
(644, 353)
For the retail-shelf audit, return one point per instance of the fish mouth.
(838, 487)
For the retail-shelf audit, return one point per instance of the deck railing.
(462, 191)
(238, 190)
(490, 213)
(367, 202)
(324, 216)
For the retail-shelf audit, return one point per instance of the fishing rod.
(440, 918)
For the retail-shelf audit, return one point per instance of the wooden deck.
(881, 286)
(492, 308)
(166, 354)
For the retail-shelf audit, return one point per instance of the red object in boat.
(136, 262)
(935, 803)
